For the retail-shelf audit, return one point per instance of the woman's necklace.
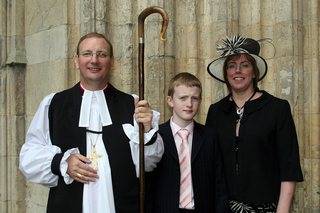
(240, 110)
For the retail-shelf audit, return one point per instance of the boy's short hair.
(184, 78)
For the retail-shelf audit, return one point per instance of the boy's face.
(184, 103)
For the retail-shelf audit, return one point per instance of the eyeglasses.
(99, 54)
(241, 66)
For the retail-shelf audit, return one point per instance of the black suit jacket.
(207, 179)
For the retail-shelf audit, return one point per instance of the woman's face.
(240, 74)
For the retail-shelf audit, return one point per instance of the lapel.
(197, 141)
(168, 140)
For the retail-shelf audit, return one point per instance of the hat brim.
(215, 68)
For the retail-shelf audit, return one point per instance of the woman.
(256, 132)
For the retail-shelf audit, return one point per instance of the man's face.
(184, 103)
(94, 63)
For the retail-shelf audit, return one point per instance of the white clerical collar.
(86, 105)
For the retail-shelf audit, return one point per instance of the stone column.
(309, 110)
(12, 112)
(46, 37)
(120, 30)
(3, 108)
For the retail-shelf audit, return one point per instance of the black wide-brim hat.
(233, 46)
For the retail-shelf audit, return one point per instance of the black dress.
(264, 154)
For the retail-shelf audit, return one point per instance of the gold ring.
(79, 175)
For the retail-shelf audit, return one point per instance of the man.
(81, 142)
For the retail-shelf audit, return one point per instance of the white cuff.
(64, 165)
(132, 132)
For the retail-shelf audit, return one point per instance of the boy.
(185, 179)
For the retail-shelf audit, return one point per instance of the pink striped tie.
(185, 171)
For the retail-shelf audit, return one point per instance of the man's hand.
(80, 170)
(143, 114)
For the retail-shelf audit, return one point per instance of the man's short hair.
(186, 79)
(95, 35)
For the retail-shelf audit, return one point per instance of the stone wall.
(12, 110)
(37, 45)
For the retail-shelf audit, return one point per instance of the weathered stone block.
(15, 89)
(283, 10)
(16, 186)
(58, 43)
(186, 65)
(310, 50)
(312, 176)
(3, 51)
(16, 135)
(119, 15)
(38, 47)
(154, 78)
(308, 143)
(49, 77)
(3, 181)
(100, 26)
(3, 18)
(43, 15)
(73, 73)
(311, 85)
(16, 50)
(73, 37)
(3, 137)
(28, 119)
(206, 46)
(121, 75)
(47, 45)
(310, 10)
(253, 12)
(36, 198)
(283, 39)
(186, 40)
(3, 91)
(186, 12)
(15, 18)
(122, 40)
